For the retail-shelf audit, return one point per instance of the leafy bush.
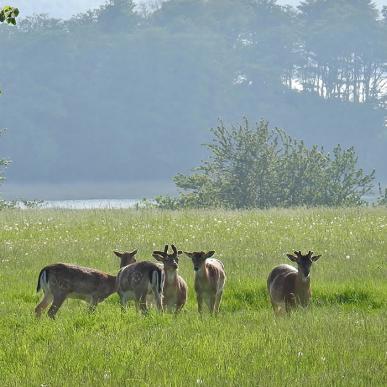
(261, 167)
(8, 15)
(382, 200)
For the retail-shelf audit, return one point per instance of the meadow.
(340, 340)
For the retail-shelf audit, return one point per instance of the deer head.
(170, 261)
(304, 262)
(126, 257)
(198, 258)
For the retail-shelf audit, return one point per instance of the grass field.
(340, 340)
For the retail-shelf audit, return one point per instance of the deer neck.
(170, 276)
(302, 285)
(112, 283)
(202, 272)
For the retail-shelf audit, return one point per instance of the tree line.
(115, 94)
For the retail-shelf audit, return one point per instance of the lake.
(89, 204)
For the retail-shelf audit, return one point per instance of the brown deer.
(175, 288)
(126, 257)
(209, 279)
(289, 287)
(61, 281)
(138, 279)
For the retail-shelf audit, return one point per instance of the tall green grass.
(340, 340)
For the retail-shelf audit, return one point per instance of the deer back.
(136, 277)
(76, 281)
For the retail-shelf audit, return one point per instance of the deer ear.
(161, 253)
(179, 252)
(292, 258)
(158, 257)
(210, 254)
(316, 258)
(134, 252)
(189, 255)
(117, 253)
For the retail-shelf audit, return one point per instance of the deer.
(60, 281)
(175, 288)
(289, 287)
(136, 280)
(210, 279)
(126, 257)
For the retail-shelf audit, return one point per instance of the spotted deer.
(209, 279)
(289, 287)
(136, 280)
(175, 288)
(61, 281)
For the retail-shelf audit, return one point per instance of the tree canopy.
(8, 14)
(111, 94)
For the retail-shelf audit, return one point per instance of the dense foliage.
(115, 95)
(8, 14)
(261, 167)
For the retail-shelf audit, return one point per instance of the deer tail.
(42, 279)
(157, 280)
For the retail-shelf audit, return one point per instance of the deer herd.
(158, 283)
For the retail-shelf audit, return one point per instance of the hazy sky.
(67, 8)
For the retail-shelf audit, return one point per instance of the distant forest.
(114, 94)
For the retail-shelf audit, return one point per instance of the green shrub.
(382, 200)
(261, 167)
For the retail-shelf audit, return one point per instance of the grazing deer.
(289, 287)
(175, 288)
(209, 280)
(136, 280)
(61, 281)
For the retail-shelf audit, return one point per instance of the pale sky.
(66, 8)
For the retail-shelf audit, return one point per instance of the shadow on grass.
(356, 297)
(236, 299)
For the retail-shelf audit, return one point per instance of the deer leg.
(56, 304)
(211, 303)
(276, 308)
(179, 306)
(47, 299)
(181, 300)
(199, 299)
(290, 302)
(92, 305)
(141, 303)
(159, 300)
(218, 299)
(123, 301)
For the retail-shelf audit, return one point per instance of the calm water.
(88, 204)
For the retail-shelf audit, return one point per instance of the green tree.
(8, 15)
(117, 15)
(345, 49)
(114, 80)
(261, 167)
